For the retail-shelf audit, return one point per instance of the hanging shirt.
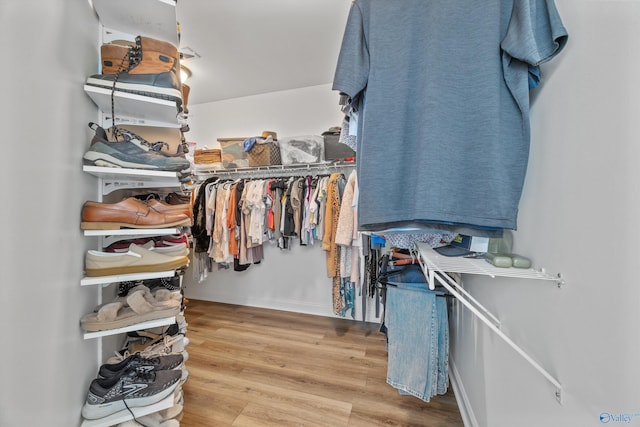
(313, 210)
(277, 187)
(257, 210)
(245, 255)
(232, 226)
(288, 212)
(295, 197)
(220, 237)
(269, 219)
(321, 199)
(443, 130)
(306, 227)
(210, 206)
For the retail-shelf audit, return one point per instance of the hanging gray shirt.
(444, 122)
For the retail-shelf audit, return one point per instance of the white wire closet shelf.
(274, 171)
(436, 269)
(478, 266)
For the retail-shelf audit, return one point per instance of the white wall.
(49, 48)
(306, 111)
(293, 280)
(579, 217)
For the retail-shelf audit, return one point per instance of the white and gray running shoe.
(133, 388)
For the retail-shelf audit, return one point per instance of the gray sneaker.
(133, 388)
(141, 364)
(135, 153)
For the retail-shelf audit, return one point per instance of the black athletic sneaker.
(170, 283)
(125, 287)
(107, 396)
(141, 364)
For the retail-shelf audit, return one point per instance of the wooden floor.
(257, 367)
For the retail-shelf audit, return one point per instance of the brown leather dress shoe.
(177, 199)
(129, 213)
(166, 208)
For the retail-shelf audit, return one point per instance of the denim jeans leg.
(411, 319)
(443, 346)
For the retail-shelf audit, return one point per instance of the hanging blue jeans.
(417, 337)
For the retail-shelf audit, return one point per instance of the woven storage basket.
(264, 154)
(207, 155)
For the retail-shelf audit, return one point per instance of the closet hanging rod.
(278, 170)
(434, 273)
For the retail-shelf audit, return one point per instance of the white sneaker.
(179, 249)
(136, 260)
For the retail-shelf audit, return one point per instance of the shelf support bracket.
(433, 273)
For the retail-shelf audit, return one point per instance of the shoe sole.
(130, 269)
(185, 376)
(96, 225)
(105, 160)
(168, 94)
(93, 412)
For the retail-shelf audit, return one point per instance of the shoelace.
(131, 136)
(138, 361)
(165, 346)
(133, 416)
(133, 55)
(147, 377)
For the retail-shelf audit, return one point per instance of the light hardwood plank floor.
(257, 367)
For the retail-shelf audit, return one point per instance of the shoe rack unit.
(128, 19)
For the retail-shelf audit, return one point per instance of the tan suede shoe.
(136, 260)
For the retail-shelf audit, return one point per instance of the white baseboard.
(275, 304)
(295, 306)
(466, 411)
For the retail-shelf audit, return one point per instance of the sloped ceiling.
(249, 47)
